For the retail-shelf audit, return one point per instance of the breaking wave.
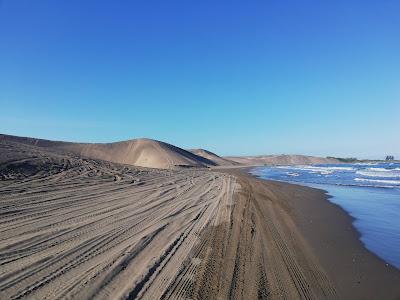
(390, 182)
(317, 169)
(380, 175)
(380, 172)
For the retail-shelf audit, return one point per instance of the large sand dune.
(138, 152)
(155, 154)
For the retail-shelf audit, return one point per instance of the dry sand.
(73, 227)
(95, 229)
(218, 160)
(138, 152)
(156, 154)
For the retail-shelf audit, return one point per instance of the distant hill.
(138, 152)
(156, 154)
(218, 160)
(282, 160)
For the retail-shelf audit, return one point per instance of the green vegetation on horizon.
(345, 159)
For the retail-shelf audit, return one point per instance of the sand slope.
(281, 160)
(218, 160)
(139, 152)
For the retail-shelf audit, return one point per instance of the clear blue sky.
(243, 78)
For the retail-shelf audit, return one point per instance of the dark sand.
(327, 229)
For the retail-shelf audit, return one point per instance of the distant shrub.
(345, 159)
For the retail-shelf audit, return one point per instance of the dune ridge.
(137, 152)
(218, 160)
(156, 154)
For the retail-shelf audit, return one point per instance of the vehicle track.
(90, 231)
(77, 228)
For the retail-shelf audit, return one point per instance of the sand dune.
(155, 154)
(139, 152)
(281, 160)
(218, 160)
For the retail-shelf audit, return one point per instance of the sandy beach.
(325, 233)
(81, 228)
(199, 150)
(90, 237)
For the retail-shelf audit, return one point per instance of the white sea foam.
(393, 182)
(317, 170)
(330, 168)
(292, 174)
(322, 172)
(374, 176)
(368, 185)
(380, 172)
(383, 169)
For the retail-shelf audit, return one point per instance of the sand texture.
(72, 227)
(319, 250)
(98, 230)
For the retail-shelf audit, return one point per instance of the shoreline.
(327, 197)
(328, 230)
(325, 190)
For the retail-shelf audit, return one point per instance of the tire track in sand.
(83, 234)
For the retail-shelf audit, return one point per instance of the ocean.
(369, 192)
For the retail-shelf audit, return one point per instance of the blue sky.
(237, 78)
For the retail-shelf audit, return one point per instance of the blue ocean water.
(369, 192)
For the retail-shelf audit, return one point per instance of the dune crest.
(156, 154)
(218, 160)
(141, 152)
(137, 152)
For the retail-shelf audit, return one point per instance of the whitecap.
(394, 182)
(292, 174)
(383, 173)
(316, 169)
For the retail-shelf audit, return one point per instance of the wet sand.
(327, 229)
